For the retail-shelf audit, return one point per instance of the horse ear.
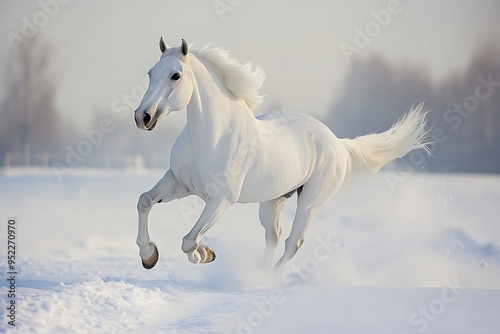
(184, 47)
(163, 45)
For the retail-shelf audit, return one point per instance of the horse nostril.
(146, 119)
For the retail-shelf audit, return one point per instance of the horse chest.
(202, 174)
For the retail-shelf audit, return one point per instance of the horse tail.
(371, 152)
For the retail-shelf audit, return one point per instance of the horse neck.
(211, 111)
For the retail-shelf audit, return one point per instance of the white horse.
(226, 155)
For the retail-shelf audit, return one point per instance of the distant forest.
(465, 108)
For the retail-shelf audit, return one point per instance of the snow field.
(422, 257)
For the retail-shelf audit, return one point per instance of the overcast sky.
(104, 48)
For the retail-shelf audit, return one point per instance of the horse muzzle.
(146, 121)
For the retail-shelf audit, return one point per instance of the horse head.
(170, 86)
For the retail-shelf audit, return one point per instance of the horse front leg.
(196, 252)
(167, 189)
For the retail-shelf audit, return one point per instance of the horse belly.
(276, 171)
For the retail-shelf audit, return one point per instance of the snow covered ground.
(421, 255)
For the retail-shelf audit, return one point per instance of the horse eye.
(175, 76)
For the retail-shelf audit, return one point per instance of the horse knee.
(145, 202)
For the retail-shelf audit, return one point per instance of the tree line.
(465, 108)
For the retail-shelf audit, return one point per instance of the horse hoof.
(210, 255)
(151, 262)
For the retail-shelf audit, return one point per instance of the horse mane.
(242, 80)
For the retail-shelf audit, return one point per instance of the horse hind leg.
(269, 216)
(311, 197)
